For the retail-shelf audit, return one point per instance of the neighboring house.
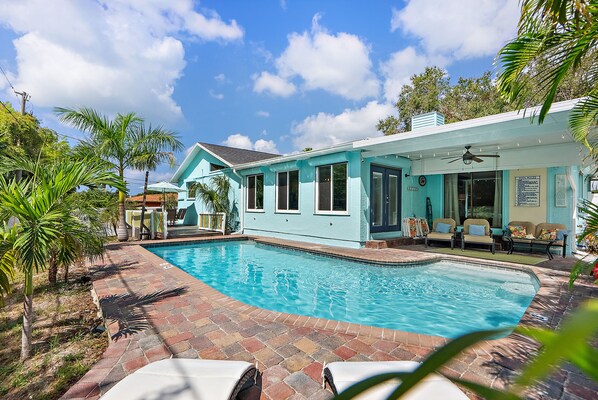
(205, 161)
(350, 193)
(151, 199)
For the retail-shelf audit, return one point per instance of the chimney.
(426, 120)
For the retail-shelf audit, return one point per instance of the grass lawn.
(64, 348)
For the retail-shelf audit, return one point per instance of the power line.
(7, 80)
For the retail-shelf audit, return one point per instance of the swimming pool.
(443, 298)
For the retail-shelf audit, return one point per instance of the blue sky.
(268, 75)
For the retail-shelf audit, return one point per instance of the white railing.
(212, 222)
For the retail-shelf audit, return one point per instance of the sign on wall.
(527, 191)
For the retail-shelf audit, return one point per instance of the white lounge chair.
(342, 375)
(184, 379)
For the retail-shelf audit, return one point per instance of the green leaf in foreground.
(435, 361)
(570, 344)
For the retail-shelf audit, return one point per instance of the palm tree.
(40, 205)
(216, 197)
(7, 260)
(560, 35)
(122, 142)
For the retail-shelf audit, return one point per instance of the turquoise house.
(501, 168)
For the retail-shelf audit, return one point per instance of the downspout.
(574, 204)
(242, 205)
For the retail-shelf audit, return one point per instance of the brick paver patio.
(155, 312)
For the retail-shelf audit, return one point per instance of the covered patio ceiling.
(486, 135)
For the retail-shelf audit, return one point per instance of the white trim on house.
(189, 158)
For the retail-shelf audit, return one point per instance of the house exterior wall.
(199, 171)
(307, 224)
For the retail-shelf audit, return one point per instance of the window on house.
(474, 195)
(191, 190)
(287, 196)
(255, 192)
(331, 188)
(216, 167)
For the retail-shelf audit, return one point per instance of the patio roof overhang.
(486, 135)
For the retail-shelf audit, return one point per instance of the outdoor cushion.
(517, 231)
(478, 239)
(441, 227)
(184, 379)
(477, 230)
(341, 375)
(439, 236)
(547, 234)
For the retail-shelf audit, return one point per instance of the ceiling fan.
(468, 157)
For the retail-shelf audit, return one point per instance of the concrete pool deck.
(154, 311)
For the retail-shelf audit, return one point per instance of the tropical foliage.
(560, 36)
(556, 41)
(120, 143)
(432, 91)
(569, 344)
(44, 224)
(23, 135)
(216, 198)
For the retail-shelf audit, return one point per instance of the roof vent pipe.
(426, 120)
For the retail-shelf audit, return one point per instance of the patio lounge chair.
(442, 235)
(477, 231)
(342, 375)
(185, 379)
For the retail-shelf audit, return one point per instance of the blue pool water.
(443, 299)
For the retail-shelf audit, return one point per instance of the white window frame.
(187, 192)
(287, 211)
(254, 176)
(317, 191)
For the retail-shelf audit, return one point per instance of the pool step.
(393, 242)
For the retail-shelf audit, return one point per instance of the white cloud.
(267, 82)
(244, 142)
(239, 141)
(324, 129)
(217, 96)
(339, 64)
(115, 56)
(220, 78)
(264, 114)
(267, 146)
(460, 28)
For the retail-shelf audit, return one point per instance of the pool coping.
(529, 317)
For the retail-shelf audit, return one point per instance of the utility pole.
(24, 98)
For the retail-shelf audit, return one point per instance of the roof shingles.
(235, 156)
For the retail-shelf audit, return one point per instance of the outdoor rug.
(486, 255)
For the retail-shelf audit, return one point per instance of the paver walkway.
(155, 313)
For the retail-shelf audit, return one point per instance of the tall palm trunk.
(27, 316)
(142, 226)
(122, 233)
(52, 270)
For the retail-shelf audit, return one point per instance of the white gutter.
(242, 205)
(297, 156)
